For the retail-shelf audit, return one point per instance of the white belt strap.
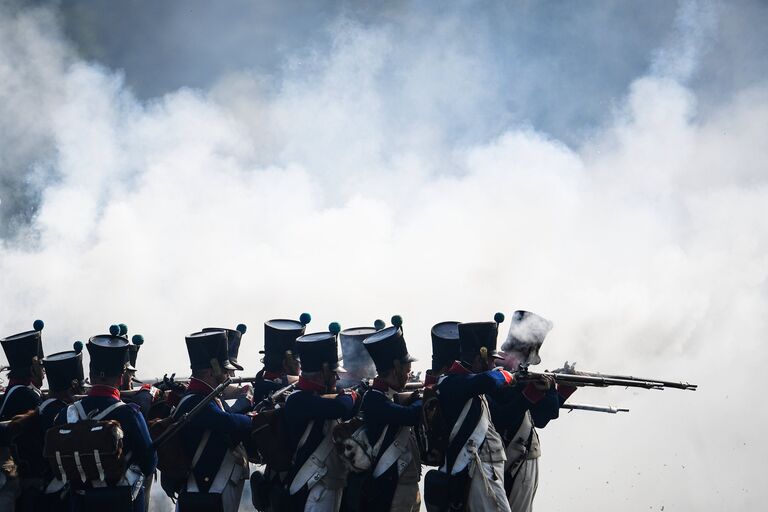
(475, 439)
(97, 459)
(398, 451)
(7, 396)
(61, 467)
(191, 482)
(79, 466)
(314, 468)
(45, 404)
(103, 414)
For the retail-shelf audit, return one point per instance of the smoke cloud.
(384, 166)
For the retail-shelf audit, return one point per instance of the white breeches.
(486, 490)
(524, 487)
(322, 499)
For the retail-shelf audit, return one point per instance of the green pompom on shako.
(38, 325)
(241, 328)
(397, 320)
(334, 327)
(123, 329)
(138, 339)
(498, 317)
(305, 318)
(114, 330)
(78, 346)
(379, 324)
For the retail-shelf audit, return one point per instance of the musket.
(272, 398)
(187, 416)
(662, 383)
(595, 408)
(568, 379)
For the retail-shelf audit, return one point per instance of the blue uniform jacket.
(136, 439)
(303, 406)
(29, 450)
(509, 405)
(227, 430)
(379, 411)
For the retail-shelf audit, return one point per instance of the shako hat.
(234, 336)
(280, 337)
(208, 349)
(445, 344)
(62, 368)
(388, 345)
(355, 357)
(24, 348)
(476, 336)
(527, 331)
(109, 353)
(137, 340)
(320, 348)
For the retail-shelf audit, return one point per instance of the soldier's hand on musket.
(544, 382)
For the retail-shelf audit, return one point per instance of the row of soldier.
(326, 438)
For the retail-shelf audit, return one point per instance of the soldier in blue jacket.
(393, 484)
(281, 369)
(445, 350)
(214, 437)
(317, 478)
(475, 454)
(109, 354)
(281, 364)
(519, 410)
(25, 353)
(64, 371)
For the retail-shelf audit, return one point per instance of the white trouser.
(524, 487)
(486, 488)
(406, 498)
(322, 499)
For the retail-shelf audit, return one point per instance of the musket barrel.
(594, 408)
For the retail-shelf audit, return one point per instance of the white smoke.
(337, 191)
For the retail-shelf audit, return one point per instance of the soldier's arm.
(487, 382)
(23, 400)
(318, 407)
(236, 425)
(386, 412)
(508, 406)
(135, 428)
(545, 409)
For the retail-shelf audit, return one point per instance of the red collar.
(199, 386)
(273, 375)
(458, 369)
(104, 391)
(430, 379)
(19, 382)
(308, 385)
(380, 385)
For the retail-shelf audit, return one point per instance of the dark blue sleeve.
(143, 399)
(135, 428)
(546, 409)
(21, 401)
(307, 406)
(238, 426)
(384, 411)
(508, 406)
(263, 388)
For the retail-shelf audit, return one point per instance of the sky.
(181, 164)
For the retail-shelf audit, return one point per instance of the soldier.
(64, 371)
(445, 350)
(393, 484)
(357, 362)
(236, 398)
(25, 378)
(317, 478)
(281, 366)
(109, 354)
(214, 437)
(472, 475)
(517, 411)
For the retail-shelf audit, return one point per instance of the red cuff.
(532, 394)
(565, 391)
